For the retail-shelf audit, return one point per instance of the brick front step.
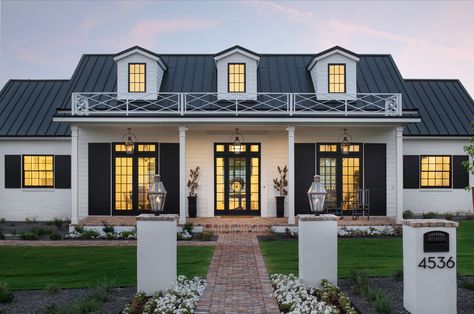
(235, 229)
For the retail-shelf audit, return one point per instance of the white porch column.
(182, 174)
(291, 174)
(74, 175)
(399, 169)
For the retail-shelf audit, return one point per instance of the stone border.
(420, 223)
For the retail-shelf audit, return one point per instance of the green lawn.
(379, 257)
(74, 267)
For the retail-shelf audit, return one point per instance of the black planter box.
(280, 202)
(192, 208)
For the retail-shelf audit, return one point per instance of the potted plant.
(280, 185)
(192, 186)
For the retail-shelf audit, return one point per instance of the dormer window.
(236, 79)
(136, 77)
(336, 78)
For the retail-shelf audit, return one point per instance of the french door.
(132, 175)
(237, 179)
(341, 173)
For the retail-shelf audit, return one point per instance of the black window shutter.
(169, 171)
(62, 171)
(375, 177)
(12, 171)
(304, 172)
(99, 179)
(411, 172)
(460, 174)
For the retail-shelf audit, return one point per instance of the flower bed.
(86, 234)
(182, 298)
(294, 298)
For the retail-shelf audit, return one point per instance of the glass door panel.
(123, 183)
(254, 183)
(237, 183)
(350, 181)
(146, 171)
(220, 185)
(327, 170)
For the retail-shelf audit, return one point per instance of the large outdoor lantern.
(129, 140)
(317, 195)
(157, 195)
(345, 140)
(237, 140)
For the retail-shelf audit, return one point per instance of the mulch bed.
(36, 301)
(394, 290)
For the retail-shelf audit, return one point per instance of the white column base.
(156, 253)
(431, 289)
(317, 249)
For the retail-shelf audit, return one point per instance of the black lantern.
(345, 140)
(129, 141)
(237, 140)
(157, 195)
(317, 196)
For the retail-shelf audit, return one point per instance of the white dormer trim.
(330, 53)
(143, 53)
(239, 51)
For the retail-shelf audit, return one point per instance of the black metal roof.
(445, 107)
(27, 106)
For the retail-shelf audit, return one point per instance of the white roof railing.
(213, 104)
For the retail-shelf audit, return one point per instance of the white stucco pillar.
(317, 249)
(74, 174)
(156, 253)
(399, 169)
(429, 266)
(182, 174)
(291, 174)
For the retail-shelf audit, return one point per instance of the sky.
(428, 39)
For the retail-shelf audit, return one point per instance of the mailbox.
(435, 241)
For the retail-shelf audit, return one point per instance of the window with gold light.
(336, 78)
(38, 171)
(236, 78)
(137, 77)
(435, 172)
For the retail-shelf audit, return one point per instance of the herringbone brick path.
(237, 281)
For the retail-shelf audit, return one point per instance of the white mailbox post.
(317, 249)
(429, 266)
(156, 252)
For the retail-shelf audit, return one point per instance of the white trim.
(182, 174)
(74, 175)
(399, 173)
(237, 50)
(225, 120)
(330, 53)
(291, 175)
(143, 53)
(437, 137)
(39, 138)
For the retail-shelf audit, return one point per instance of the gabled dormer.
(139, 73)
(334, 73)
(237, 73)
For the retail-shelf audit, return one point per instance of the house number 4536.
(437, 262)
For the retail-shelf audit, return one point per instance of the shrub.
(467, 284)
(57, 222)
(206, 235)
(30, 220)
(360, 281)
(429, 215)
(53, 288)
(6, 295)
(2, 220)
(29, 235)
(448, 216)
(90, 234)
(42, 231)
(408, 214)
(2, 236)
(398, 275)
(79, 228)
(382, 305)
(188, 227)
(107, 228)
(55, 236)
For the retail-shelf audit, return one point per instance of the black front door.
(237, 179)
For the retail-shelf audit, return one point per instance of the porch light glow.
(129, 140)
(317, 195)
(238, 140)
(157, 195)
(345, 140)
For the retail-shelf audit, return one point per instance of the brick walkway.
(237, 281)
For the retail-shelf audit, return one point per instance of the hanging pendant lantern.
(317, 196)
(129, 141)
(237, 141)
(345, 140)
(157, 195)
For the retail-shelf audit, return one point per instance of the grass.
(377, 256)
(77, 267)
